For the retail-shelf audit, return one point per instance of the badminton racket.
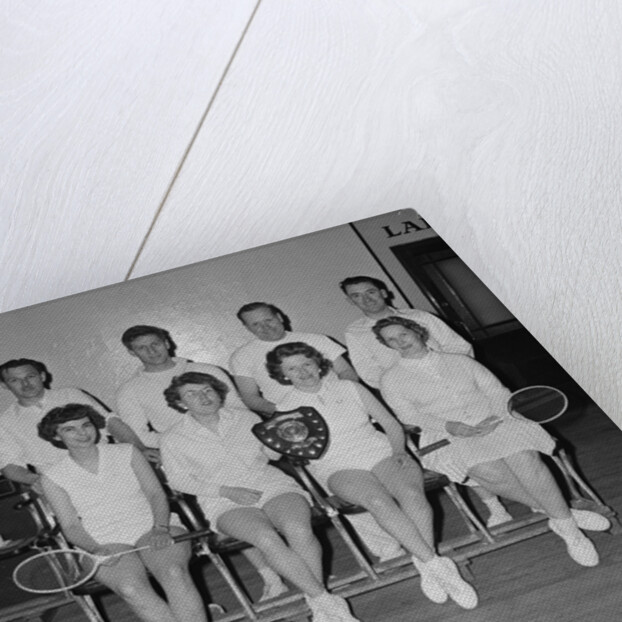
(538, 403)
(58, 570)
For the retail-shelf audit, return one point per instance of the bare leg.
(291, 515)
(273, 584)
(253, 526)
(128, 578)
(498, 514)
(170, 567)
(365, 489)
(405, 484)
(497, 476)
(530, 470)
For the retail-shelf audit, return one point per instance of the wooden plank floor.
(530, 581)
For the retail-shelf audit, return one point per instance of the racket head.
(55, 571)
(538, 403)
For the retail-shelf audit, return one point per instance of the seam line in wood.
(184, 157)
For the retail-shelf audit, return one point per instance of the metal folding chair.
(50, 535)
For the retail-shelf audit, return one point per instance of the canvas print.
(343, 426)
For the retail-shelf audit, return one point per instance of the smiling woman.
(214, 455)
(366, 467)
(107, 500)
(452, 397)
(71, 426)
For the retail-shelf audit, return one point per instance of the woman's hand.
(401, 458)
(36, 486)
(104, 551)
(463, 430)
(153, 455)
(159, 537)
(489, 425)
(240, 495)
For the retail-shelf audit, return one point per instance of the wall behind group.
(78, 337)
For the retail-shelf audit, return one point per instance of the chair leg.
(337, 521)
(88, 606)
(582, 496)
(474, 524)
(226, 574)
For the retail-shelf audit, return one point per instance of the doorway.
(459, 297)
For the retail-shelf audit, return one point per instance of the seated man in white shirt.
(20, 446)
(271, 328)
(371, 359)
(142, 405)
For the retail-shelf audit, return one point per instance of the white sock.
(494, 505)
(269, 576)
(567, 526)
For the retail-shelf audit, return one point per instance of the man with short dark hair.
(20, 446)
(369, 357)
(271, 328)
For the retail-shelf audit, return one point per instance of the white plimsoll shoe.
(590, 521)
(330, 608)
(448, 575)
(430, 585)
(579, 547)
(586, 519)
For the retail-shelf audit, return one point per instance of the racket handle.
(433, 447)
(191, 535)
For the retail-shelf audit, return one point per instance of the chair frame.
(368, 577)
(478, 540)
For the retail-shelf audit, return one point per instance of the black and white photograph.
(343, 426)
(310, 311)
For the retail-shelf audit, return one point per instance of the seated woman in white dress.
(107, 499)
(366, 467)
(213, 454)
(451, 396)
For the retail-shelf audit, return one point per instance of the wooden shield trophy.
(301, 434)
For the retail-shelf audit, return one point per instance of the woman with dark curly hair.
(366, 467)
(452, 396)
(107, 499)
(214, 455)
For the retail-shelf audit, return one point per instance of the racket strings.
(53, 571)
(538, 404)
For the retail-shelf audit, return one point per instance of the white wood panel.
(499, 122)
(98, 104)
